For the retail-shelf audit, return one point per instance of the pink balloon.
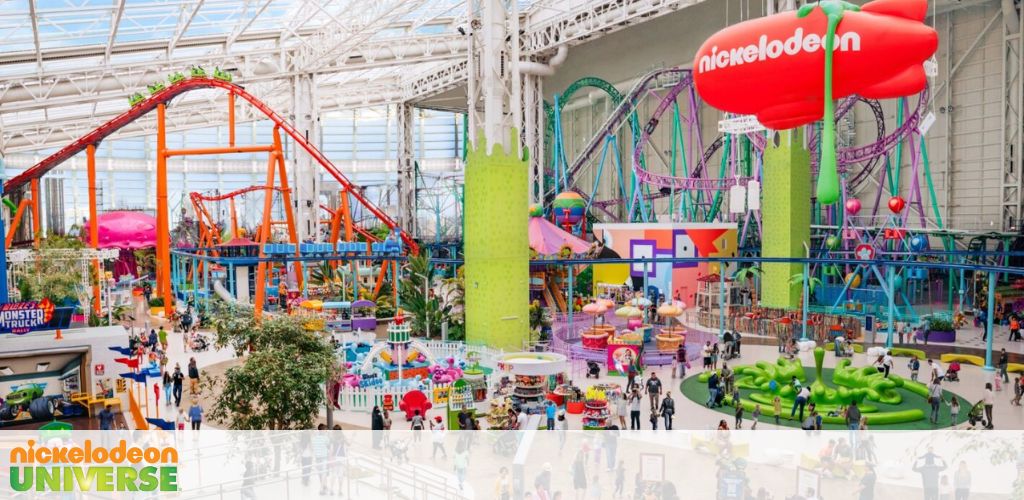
(852, 206)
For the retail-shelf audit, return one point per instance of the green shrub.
(156, 302)
(939, 324)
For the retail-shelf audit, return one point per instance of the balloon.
(896, 204)
(852, 206)
(832, 242)
(773, 386)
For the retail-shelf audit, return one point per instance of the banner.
(23, 317)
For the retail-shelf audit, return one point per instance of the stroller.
(953, 373)
(977, 415)
(506, 443)
(593, 369)
(199, 343)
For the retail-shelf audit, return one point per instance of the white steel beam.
(115, 22)
(35, 33)
(183, 27)
(1012, 154)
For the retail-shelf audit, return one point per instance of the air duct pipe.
(541, 69)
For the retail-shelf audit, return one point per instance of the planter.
(941, 336)
(574, 408)
(558, 399)
(156, 311)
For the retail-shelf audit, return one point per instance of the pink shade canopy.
(129, 230)
(548, 239)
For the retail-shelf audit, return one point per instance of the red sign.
(389, 402)
(864, 252)
(895, 234)
(879, 53)
(99, 369)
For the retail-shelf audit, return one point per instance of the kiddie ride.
(401, 360)
(30, 402)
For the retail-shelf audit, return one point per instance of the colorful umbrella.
(628, 312)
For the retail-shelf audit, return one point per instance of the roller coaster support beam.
(261, 241)
(16, 221)
(37, 221)
(286, 198)
(163, 236)
(94, 226)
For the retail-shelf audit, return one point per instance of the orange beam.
(37, 222)
(231, 203)
(163, 246)
(94, 226)
(380, 278)
(16, 221)
(218, 151)
(264, 235)
(231, 120)
(286, 198)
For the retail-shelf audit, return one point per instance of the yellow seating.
(1015, 367)
(963, 358)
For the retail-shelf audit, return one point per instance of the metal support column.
(306, 173)
(1012, 155)
(406, 174)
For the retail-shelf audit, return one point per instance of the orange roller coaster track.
(166, 95)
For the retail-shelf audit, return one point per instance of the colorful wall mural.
(671, 279)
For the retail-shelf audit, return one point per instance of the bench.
(963, 358)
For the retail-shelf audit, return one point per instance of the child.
(954, 409)
(654, 419)
(756, 415)
(179, 420)
(915, 366)
(739, 414)
(1018, 390)
(777, 406)
(620, 478)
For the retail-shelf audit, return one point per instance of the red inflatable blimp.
(772, 67)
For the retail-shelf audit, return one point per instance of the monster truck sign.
(24, 317)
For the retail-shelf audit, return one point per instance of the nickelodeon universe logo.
(774, 49)
(69, 468)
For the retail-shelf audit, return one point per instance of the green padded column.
(785, 214)
(497, 248)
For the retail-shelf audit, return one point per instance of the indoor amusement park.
(614, 241)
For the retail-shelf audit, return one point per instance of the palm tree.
(807, 284)
(748, 274)
(324, 275)
(828, 175)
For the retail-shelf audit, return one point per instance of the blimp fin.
(914, 10)
(911, 81)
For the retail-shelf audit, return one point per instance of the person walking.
(680, 361)
(653, 388)
(1004, 361)
(1014, 329)
(852, 416)
(915, 368)
(549, 411)
(887, 363)
(106, 418)
(376, 426)
(416, 426)
(620, 409)
(961, 482)
(705, 353)
(989, 398)
(712, 390)
(162, 338)
(195, 414)
(178, 378)
(866, 489)
(777, 407)
(503, 485)
(634, 410)
(321, 445)
(437, 433)
(168, 383)
(934, 398)
(668, 408)
(929, 466)
(715, 351)
(193, 376)
(954, 410)
(1018, 390)
(755, 416)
